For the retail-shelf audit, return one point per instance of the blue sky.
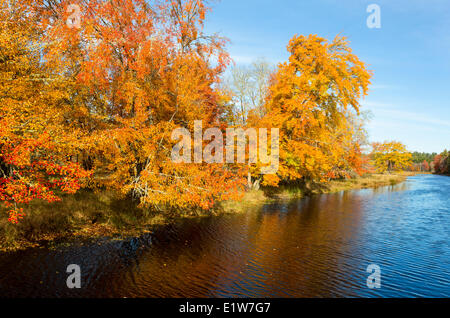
(409, 54)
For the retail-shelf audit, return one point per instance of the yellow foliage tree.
(390, 156)
(310, 98)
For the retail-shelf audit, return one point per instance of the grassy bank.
(369, 181)
(83, 215)
(89, 215)
(257, 197)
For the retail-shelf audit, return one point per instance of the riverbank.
(87, 215)
(255, 198)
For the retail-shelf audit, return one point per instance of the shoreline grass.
(88, 215)
(255, 198)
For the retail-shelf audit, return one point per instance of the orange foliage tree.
(425, 166)
(35, 144)
(441, 163)
(313, 99)
(138, 71)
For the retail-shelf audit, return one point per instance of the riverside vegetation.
(87, 215)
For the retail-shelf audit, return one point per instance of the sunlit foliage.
(314, 100)
(390, 156)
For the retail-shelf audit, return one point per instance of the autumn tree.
(140, 70)
(441, 163)
(425, 166)
(313, 98)
(35, 143)
(104, 98)
(390, 156)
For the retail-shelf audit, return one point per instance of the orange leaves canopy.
(311, 99)
(134, 71)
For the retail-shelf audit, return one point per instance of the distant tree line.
(422, 161)
(431, 162)
(420, 157)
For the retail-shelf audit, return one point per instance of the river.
(319, 246)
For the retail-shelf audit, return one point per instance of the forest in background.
(94, 107)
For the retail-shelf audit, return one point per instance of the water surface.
(314, 247)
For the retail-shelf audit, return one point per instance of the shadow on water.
(319, 246)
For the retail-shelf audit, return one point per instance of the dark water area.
(318, 246)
